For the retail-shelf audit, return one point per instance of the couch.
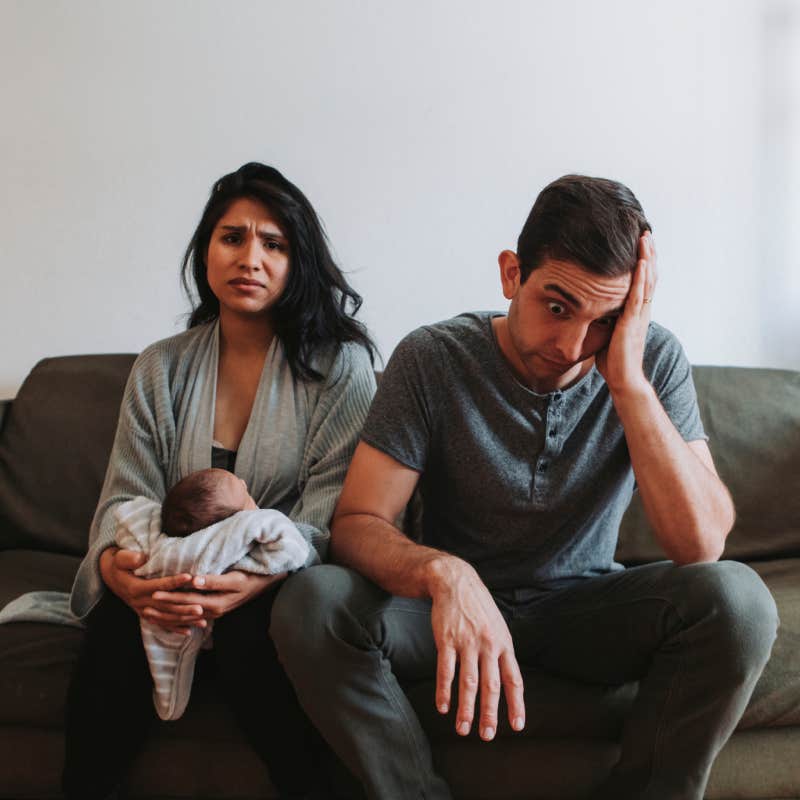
(54, 442)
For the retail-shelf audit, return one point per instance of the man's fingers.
(513, 688)
(468, 681)
(445, 672)
(490, 697)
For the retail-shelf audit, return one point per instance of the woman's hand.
(116, 567)
(218, 594)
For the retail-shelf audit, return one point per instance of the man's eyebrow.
(572, 300)
(554, 287)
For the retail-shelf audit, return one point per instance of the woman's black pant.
(110, 709)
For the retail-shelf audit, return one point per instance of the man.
(527, 435)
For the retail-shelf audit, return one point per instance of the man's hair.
(194, 503)
(593, 222)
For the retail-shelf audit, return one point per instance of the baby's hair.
(194, 503)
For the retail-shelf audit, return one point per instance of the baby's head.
(201, 499)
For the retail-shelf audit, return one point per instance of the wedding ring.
(647, 300)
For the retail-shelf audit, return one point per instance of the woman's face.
(247, 264)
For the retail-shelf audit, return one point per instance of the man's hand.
(116, 567)
(621, 362)
(216, 595)
(470, 631)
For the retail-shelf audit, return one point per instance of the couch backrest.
(752, 418)
(54, 448)
(57, 434)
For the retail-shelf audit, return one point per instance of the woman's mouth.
(245, 283)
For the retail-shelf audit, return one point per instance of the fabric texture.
(294, 464)
(49, 493)
(529, 488)
(752, 417)
(264, 541)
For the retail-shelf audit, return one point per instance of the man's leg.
(344, 643)
(696, 637)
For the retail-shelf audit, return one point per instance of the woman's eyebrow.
(271, 232)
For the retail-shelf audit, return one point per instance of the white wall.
(421, 131)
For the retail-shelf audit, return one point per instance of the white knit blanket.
(262, 541)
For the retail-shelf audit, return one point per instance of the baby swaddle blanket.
(263, 541)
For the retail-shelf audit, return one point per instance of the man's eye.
(556, 309)
(605, 322)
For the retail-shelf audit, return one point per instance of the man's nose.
(570, 343)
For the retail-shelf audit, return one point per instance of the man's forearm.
(687, 504)
(380, 552)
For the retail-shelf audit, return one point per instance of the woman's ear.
(509, 273)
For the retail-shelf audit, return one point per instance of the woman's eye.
(556, 309)
(272, 245)
(605, 322)
(230, 238)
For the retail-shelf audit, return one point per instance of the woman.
(272, 380)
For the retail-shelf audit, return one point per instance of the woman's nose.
(251, 255)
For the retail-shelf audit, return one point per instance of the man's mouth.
(558, 364)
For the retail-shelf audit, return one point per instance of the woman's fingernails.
(462, 728)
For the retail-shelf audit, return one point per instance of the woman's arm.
(145, 434)
(334, 430)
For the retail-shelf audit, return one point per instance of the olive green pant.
(695, 637)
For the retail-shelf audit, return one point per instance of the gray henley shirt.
(529, 488)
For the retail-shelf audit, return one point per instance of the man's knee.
(742, 612)
(315, 607)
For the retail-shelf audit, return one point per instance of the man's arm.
(687, 504)
(467, 626)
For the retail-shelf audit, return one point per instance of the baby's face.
(236, 494)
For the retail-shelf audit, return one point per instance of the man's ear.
(509, 273)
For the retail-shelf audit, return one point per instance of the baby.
(201, 499)
(207, 525)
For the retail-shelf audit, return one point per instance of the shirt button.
(552, 433)
(543, 466)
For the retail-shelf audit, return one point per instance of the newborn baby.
(207, 525)
(203, 498)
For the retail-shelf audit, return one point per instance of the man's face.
(558, 319)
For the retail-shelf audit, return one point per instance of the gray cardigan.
(293, 455)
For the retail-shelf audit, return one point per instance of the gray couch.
(54, 442)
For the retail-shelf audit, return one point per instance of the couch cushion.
(54, 450)
(752, 418)
(776, 698)
(35, 659)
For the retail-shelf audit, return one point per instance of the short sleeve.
(670, 373)
(402, 418)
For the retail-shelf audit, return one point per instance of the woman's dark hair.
(593, 222)
(318, 305)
